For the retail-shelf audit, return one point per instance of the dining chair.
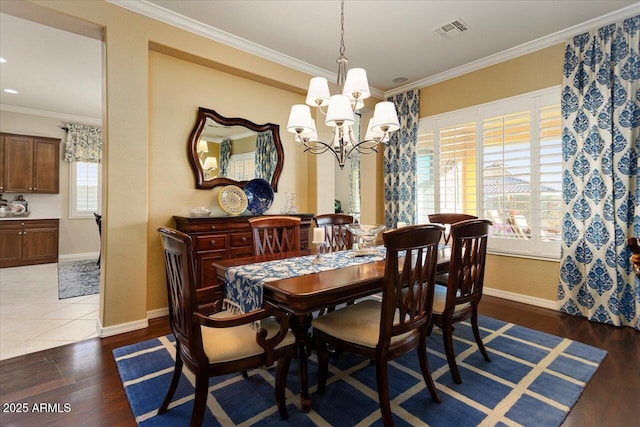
(275, 234)
(447, 219)
(384, 330)
(634, 246)
(222, 343)
(98, 218)
(459, 299)
(336, 235)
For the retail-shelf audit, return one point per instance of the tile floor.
(32, 318)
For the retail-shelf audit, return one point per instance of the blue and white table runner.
(243, 284)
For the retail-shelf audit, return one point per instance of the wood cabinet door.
(46, 172)
(205, 268)
(40, 244)
(10, 246)
(2, 172)
(18, 164)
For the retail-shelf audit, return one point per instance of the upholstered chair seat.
(238, 342)
(440, 301)
(359, 325)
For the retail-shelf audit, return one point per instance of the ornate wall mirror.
(225, 151)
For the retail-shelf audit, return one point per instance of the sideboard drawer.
(241, 239)
(211, 242)
(240, 251)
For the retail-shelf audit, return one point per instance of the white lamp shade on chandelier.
(339, 113)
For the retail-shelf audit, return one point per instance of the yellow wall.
(136, 129)
(537, 70)
(155, 77)
(173, 106)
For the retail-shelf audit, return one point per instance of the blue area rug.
(533, 380)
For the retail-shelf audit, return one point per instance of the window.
(242, 166)
(85, 189)
(500, 161)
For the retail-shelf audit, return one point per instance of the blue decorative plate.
(259, 195)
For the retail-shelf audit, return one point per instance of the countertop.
(33, 215)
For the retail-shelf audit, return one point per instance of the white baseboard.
(121, 328)
(131, 326)
(79, 256)
(160, 312)
(526, 299)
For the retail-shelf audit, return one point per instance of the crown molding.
(153, 11)
(94, 121)
(523, 49)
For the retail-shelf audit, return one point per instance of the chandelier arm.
(363, 149)
(315, 149)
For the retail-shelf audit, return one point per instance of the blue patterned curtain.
(225, 156)
(84, 143)
(400, 162)
(266, 155)
(601, 141)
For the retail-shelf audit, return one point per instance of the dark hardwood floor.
(84, 375)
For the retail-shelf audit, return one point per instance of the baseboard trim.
(121, 328)
(108, 331)
(159, 312)
(526, 299)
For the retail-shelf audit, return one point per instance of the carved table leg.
(300, 326)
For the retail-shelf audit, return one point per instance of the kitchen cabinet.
(216, 238)
(27, 242)
(30, 164)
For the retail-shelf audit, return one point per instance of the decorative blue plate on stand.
(259, 195)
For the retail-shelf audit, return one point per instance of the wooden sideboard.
(216, 238)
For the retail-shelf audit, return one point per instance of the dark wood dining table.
(301, 296)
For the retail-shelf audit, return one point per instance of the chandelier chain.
(342, 60)
(340, 113)
(342, 29)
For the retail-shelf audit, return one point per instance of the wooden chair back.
(634, 247)
(98, 218)
(275, 234)
(466, 265)
(181, 292)
(459, 300)
(336, 235)
(199, 337)
(447, 219)
(409, 281)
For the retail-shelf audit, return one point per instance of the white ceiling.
(58, 71)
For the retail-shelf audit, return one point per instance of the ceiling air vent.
(452, 29)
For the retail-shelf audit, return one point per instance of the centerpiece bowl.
(366, 236)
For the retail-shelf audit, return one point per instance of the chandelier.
(339, 110)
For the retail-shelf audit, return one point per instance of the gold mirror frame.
(196, 133)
